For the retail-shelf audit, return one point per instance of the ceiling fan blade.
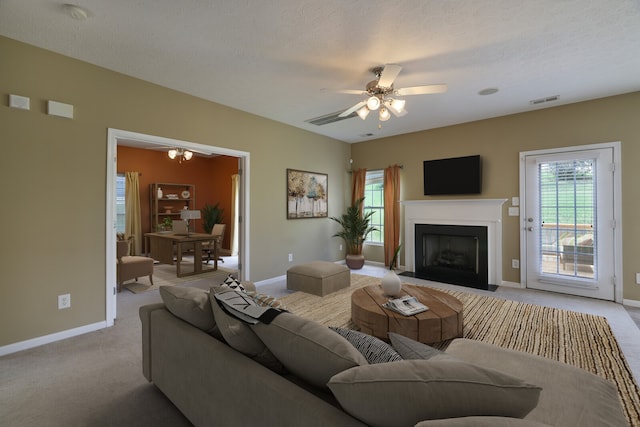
(421, 90)
(347, 91)
(389, 74)
(356, 107)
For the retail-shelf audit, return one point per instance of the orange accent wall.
(210, 175)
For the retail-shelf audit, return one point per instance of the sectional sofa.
(220, 371)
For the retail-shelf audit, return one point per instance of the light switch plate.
(515, 201)
(21, 102)
(514, 211)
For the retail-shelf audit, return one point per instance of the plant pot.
(391, 284)
(354, 262)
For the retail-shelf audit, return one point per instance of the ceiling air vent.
(329, 118)
(543, 100)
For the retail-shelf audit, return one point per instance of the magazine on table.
(406, 305)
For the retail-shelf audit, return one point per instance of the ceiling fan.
(381, 95)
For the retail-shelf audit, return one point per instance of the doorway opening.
(117, 137)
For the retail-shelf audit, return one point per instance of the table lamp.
(186, 215)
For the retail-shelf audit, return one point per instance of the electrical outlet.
(64, 301)
(515, 263)
(290, 257)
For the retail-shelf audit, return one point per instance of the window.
(374, 202)
(120, 203)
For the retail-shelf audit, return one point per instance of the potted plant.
(211, 215)
(355, 228)
(166, 224)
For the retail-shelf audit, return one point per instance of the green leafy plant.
(394, 260)
(211, 215)
(355, 227)
(166, 224)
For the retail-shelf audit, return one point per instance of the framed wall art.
(307, 194)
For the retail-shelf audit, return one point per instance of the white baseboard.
(46, 339)
(631, 302)
(270, 281)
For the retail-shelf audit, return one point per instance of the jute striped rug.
(582, 340)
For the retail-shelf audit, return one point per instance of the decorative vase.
(159, 193)
(391, 284)
(354, 262)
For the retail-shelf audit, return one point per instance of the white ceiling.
(274, 58)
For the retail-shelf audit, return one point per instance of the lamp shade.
(363, 112)
(172, 153)
(384, 114)
(189, 214)
(188, 154)
(373, 103)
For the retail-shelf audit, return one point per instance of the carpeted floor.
(562, 335)
(164, 274)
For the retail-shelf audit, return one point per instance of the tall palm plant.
(355, 227)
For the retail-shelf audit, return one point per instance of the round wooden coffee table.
(441, 322)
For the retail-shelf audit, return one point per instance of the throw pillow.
(233, 283)
(373, 349)
(409, 391)
(309, 350)
(266, 300)
(412, 349)
(240, 337)
(191, 305)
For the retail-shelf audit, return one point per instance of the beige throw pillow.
(309, 350)
(191, 305)
(409, 391)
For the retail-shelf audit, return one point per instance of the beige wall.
(54, 181)
(499, 142)
(54, 177)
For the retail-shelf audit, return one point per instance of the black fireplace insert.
(455, 254)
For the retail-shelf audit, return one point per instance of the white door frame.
(617, 209)
(113, 136)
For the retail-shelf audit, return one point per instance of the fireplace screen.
(452, 254)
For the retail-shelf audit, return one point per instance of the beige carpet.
(579, 339)
(164, 274)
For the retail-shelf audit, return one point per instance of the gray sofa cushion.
(411, 349)
(481, 422)
(191, 305)
(308, 349)
(406, 392)
(240, 336)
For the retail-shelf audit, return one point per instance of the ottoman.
(318, 277)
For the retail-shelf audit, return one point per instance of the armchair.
(131, 267)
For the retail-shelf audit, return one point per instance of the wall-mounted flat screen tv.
(459, 175)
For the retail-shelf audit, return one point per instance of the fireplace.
(484, 213)
(454, 254)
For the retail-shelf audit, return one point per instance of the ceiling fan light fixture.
(172, 153)
(363, 112)
(397, 105)
(373, 103)
(188, 154)
(384, 114)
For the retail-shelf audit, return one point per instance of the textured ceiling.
(274, 58)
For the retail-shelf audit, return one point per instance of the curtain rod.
(377, 169)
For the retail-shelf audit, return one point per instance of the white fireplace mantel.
(479, 212)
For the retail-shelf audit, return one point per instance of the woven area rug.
(164, 274)
(578, 339)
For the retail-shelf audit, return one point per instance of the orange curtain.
(358, 180)
(391, 211)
